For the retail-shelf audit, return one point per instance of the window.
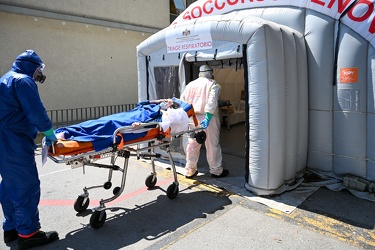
(179, 4)
(176, 8)
(167, 83)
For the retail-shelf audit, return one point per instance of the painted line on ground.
(119, 199)
(328, 226)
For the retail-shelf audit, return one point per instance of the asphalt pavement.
(202, 216)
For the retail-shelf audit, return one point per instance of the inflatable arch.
(308, 73)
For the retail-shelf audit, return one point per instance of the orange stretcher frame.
(71, 147)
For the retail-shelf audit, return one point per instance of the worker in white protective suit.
(203, 93)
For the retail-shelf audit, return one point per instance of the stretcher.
(150, 135)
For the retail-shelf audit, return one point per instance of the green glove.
(208, 116)
(49, 132)
(50, 136)
(206, 121)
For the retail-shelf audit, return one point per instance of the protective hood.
(206, 71)
(27, 63)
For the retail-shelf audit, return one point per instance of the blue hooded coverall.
(21, 114)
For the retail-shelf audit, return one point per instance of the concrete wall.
(89, 63)
(139, 12)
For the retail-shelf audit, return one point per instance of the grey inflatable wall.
(338, 137)
(341, 138)
(277, 99)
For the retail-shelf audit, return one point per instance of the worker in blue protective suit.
(203, 93)
(21, 114)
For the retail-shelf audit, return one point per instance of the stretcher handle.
(53, 147)
(197, 128)
(124, 128)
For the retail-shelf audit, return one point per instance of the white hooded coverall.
(203, 93)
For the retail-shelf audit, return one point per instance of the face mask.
(40, 77)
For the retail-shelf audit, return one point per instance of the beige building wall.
(88, 47)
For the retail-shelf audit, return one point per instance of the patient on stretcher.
(164, 104)
(99, 133)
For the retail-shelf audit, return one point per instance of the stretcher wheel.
(116, 190)
(107, 185)
(97, 219)
(200, 137)
(151, 181)
(81, 204)
(172, 191)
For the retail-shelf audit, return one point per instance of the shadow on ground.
(146, 222)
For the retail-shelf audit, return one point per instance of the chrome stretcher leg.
(172, 190)
(108, 184)
(153, 160)
(83, 199)
(152, 178)
(99, 215)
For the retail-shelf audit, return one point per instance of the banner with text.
(188, 37)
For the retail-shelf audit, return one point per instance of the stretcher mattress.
(69, 147)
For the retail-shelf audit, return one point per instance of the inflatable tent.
(308, 70)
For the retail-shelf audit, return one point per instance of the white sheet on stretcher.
(176, 119)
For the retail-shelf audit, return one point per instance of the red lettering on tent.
(219, 7)
(199, 12)
(366, 15)
(186, 15)
(231, 2)
(372, 27)
(205, 9)
(362, 11)
(318, 2)
(340, 5)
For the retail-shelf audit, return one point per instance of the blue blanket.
(100, 131)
